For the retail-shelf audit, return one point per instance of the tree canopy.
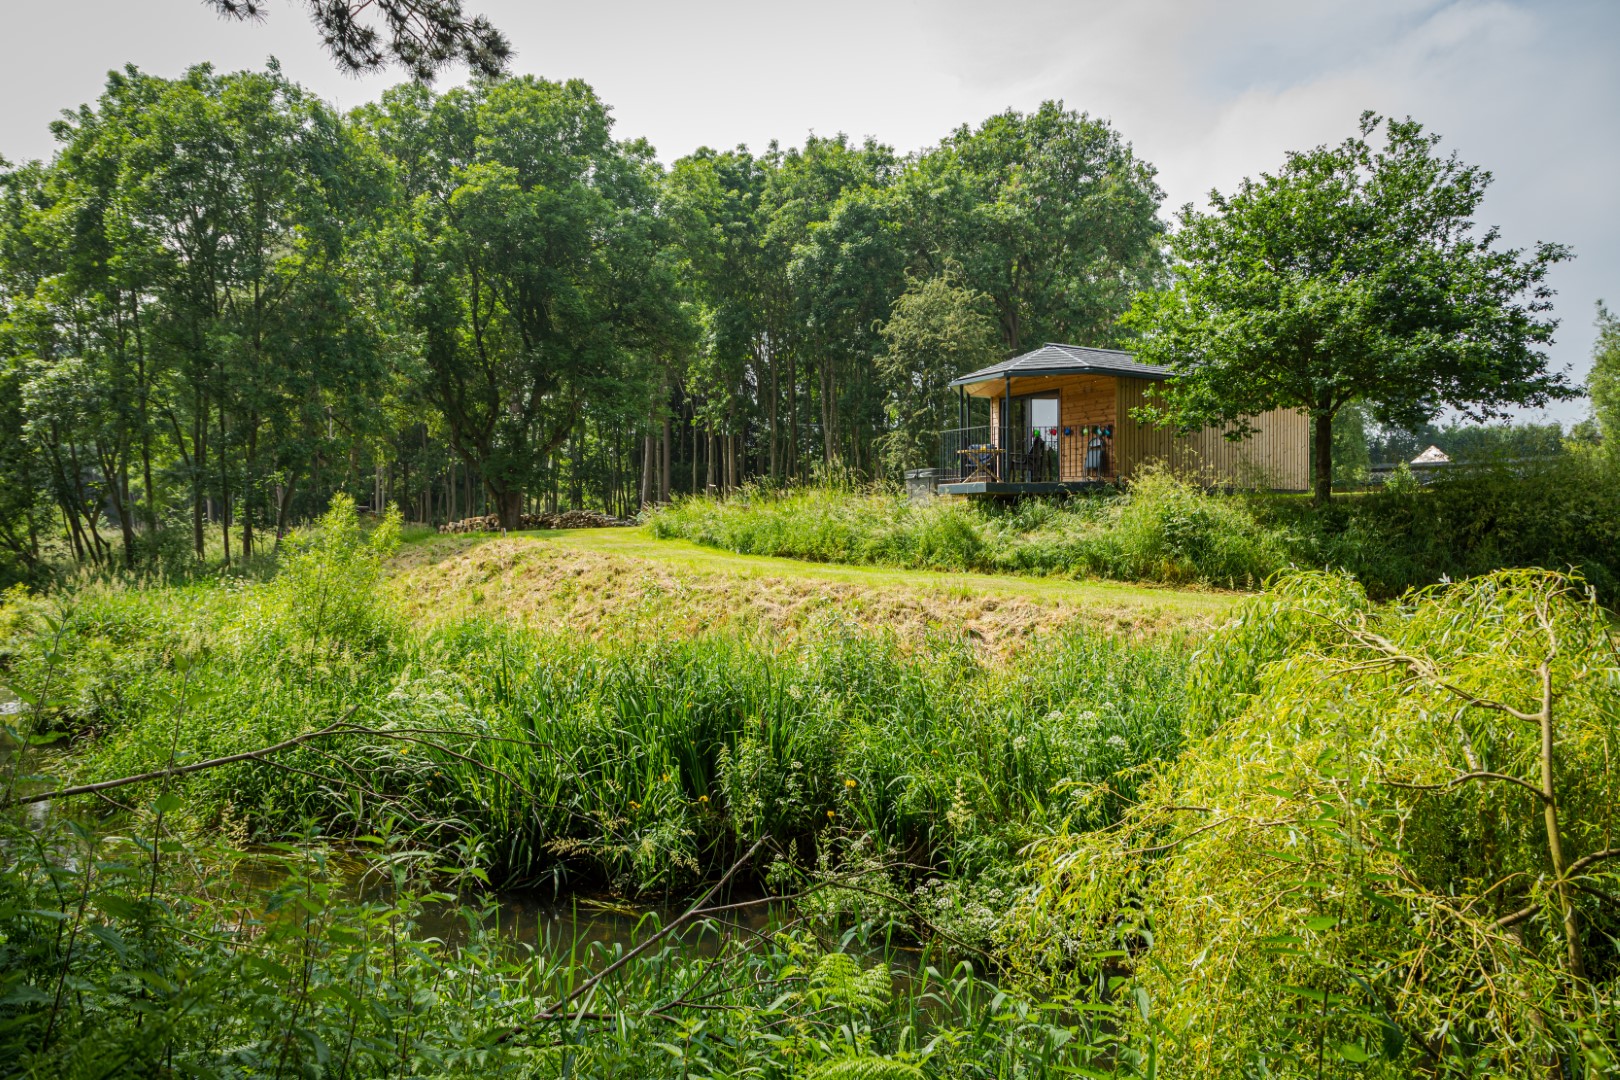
(1355, 273)
(222, 302)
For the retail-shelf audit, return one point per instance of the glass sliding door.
(1033, 439)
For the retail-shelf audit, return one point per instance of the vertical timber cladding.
(1276, 456)
(1084, 401)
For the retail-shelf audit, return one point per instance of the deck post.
(1006, 426)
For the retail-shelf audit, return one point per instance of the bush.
(1162, 529)
(1356, 872)
(1561, 513)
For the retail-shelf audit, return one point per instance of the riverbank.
(1099, 817)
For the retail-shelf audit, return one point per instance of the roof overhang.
(1046, 373)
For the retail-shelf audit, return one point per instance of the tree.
(1048, 213)
(938, 329)
(1354, 273)
(535, 278)
(1603, 381)
(847, 274)
(422, 36)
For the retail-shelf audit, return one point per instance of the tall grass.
(642, 764)
(1161, 530)
(1562, 513)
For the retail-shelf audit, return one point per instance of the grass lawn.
(616, 580)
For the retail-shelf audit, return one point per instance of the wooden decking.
(1013, 489)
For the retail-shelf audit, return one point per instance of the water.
(539, 919)
(543, 920)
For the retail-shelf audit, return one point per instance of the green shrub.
(1356, 873)
(1162, 529)
(1560, 513)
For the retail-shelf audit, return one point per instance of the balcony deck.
(973, 461)
(1014, 488)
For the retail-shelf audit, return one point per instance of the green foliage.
(1353, 274)
(1603, 381)
(643, 764)
(1352, 459)
(330, 576)
(121, 956)
(867, 1069)
(938, 329)
(1162, 529)
(1466, 442)
(1561, 512)
(1355, 873)
(1049, 213)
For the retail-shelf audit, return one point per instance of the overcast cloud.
(1209, 92)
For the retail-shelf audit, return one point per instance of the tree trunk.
(712, 444)
(249, 485)
(776, 394)
(199, 447)
(663, 462)
(649, 462)
(509, 509)
(1323, 422)
(224, 488)
(284, 502)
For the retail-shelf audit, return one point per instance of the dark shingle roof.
(1055, 359)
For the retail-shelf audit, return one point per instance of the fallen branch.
(184, 770)
(591, 983)
(340, 727)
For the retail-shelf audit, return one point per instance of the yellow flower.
(703, 798)
(634, 805)
(831, 814)
(849, 783)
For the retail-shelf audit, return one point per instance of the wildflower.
(634, 805)
(703, 798)
(1118, 742)
(831, 814)
(849, 783)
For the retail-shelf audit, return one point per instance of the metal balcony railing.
(985, 453)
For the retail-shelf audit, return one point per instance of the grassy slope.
(604, 579)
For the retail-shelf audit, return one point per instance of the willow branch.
(1478, 774)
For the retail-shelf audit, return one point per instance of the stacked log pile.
(568, 519)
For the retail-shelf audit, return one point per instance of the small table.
(983, 459)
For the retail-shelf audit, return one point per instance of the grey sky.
(1209, 92)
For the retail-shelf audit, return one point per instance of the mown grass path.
(640, 543)
(595, 578)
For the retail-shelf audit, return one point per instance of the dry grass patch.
(615, 586)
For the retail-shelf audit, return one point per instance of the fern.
(866, 1069)
(837, 979)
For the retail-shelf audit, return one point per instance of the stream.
(540, 919)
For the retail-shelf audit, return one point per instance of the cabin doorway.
(1034, 438)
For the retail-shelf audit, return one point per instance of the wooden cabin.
(1058, 419)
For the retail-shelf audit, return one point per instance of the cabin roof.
(1055, 359)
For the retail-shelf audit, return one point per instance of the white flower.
(1118, 742)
